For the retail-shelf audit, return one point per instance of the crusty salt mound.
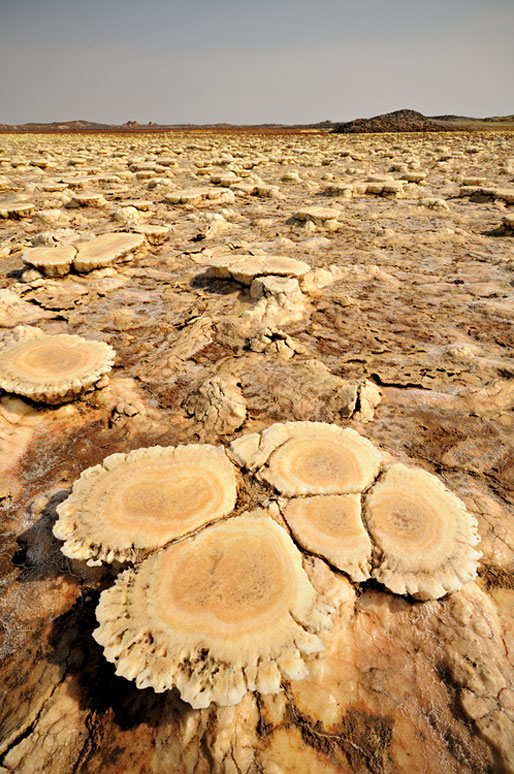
(278, 300)
(154, 235)
(53, 368)
(331, 526)
(424, 535)
(318, 215)
(244, 268)
(87, 199)
(50, 261)
(104, 250)
(222, 606)
(196, 195)
(301, 458)
(218, 403)
(140, 501)
(225, 612)
(16, 210)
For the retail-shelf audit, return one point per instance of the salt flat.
(243, 280)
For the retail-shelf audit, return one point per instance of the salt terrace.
(256, 452)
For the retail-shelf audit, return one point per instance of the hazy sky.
(285, 61)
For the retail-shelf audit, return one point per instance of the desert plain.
(242, 280)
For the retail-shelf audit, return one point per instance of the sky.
(235, 61)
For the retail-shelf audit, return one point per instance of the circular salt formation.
(51, 261)
(16, 210)
(424, 535)
(54, 368)
(154, 235)
(322, 459)
(87, 199)
(331, 526)
(104, 250)
(244, 268)
(136, 502)
(139, 204)
(216, 615)
(318, 214)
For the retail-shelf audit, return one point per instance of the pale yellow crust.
(425, 538)
(53, 368)
(136, 502)
(104, 250)
(331, 526)
(227, 611)
(301, 458)
(244, 268)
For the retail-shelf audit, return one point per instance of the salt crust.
(104, 250)
(136, 502)
(53, 368)
(425, 538)
(228, 611)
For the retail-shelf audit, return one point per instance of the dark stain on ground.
(495, 577)
(169, 396)
(363, 737)
(52, 458)
(366, 740)
(212, 353)
(437, 433)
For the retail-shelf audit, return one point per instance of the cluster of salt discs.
(228, 609)
(396, 524)
(220, 606)
(53, 368)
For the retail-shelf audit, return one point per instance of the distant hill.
(397, 121)
(412, 121)
(131, 127)
(55, 126)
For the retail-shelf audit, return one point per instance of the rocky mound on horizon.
(397, 121)
(413, 121)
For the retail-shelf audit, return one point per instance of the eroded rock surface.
(401, 329)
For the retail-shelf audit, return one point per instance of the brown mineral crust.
(302, 388)
(20, 423)
(410, 698)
